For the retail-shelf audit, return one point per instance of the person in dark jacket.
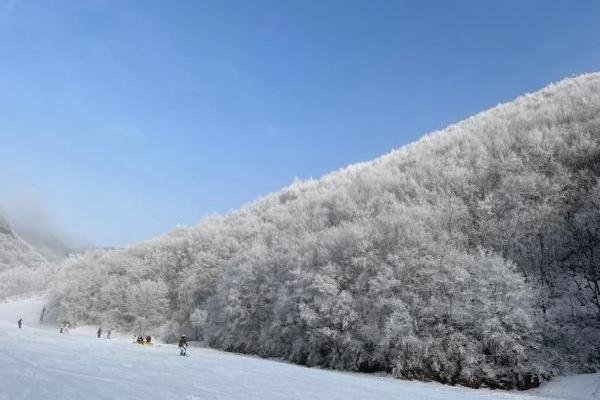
(183, 345)
(20, 321)
(99, 332)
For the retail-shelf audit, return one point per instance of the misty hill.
(31, 222)
(471, 257)
(46, 243)
(22, 268)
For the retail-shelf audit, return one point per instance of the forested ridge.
(471, 256)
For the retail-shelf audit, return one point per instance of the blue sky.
(123, 119)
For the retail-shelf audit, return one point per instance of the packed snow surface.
(36, 362)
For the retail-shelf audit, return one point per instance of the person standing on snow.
(99, 332)
(183, 345)
(20, 321)
(108, 334)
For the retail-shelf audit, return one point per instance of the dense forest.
(469, 257)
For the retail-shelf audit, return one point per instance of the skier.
(183, 345)
(20, 321)
(140, 340)
(42, 315)
(99, 332)
(108, 334)
(148, 340)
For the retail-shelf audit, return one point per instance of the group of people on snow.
(140, 340)
(108, 333)
(64, 329)
(182, 343)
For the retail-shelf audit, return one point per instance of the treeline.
(469, 257)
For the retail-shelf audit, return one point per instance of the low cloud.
(31, 219)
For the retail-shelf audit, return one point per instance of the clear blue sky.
(126, 118)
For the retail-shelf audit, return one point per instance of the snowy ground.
(39, 363)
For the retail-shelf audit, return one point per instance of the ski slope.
(38, 363)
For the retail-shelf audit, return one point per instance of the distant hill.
(22, 268)
(469, 257)
(46, 243)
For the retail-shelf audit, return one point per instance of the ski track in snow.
(39, 363)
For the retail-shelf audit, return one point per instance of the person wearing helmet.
(183, 345)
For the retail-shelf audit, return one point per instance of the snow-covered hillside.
(14, 251)
(38, 363)
(468, 257)
(22, 268)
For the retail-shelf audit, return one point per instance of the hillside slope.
(470, 256)
(22, 268)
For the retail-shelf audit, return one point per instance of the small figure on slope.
(99, 332)
(183, 345)
(108, 334)
(20, 321)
